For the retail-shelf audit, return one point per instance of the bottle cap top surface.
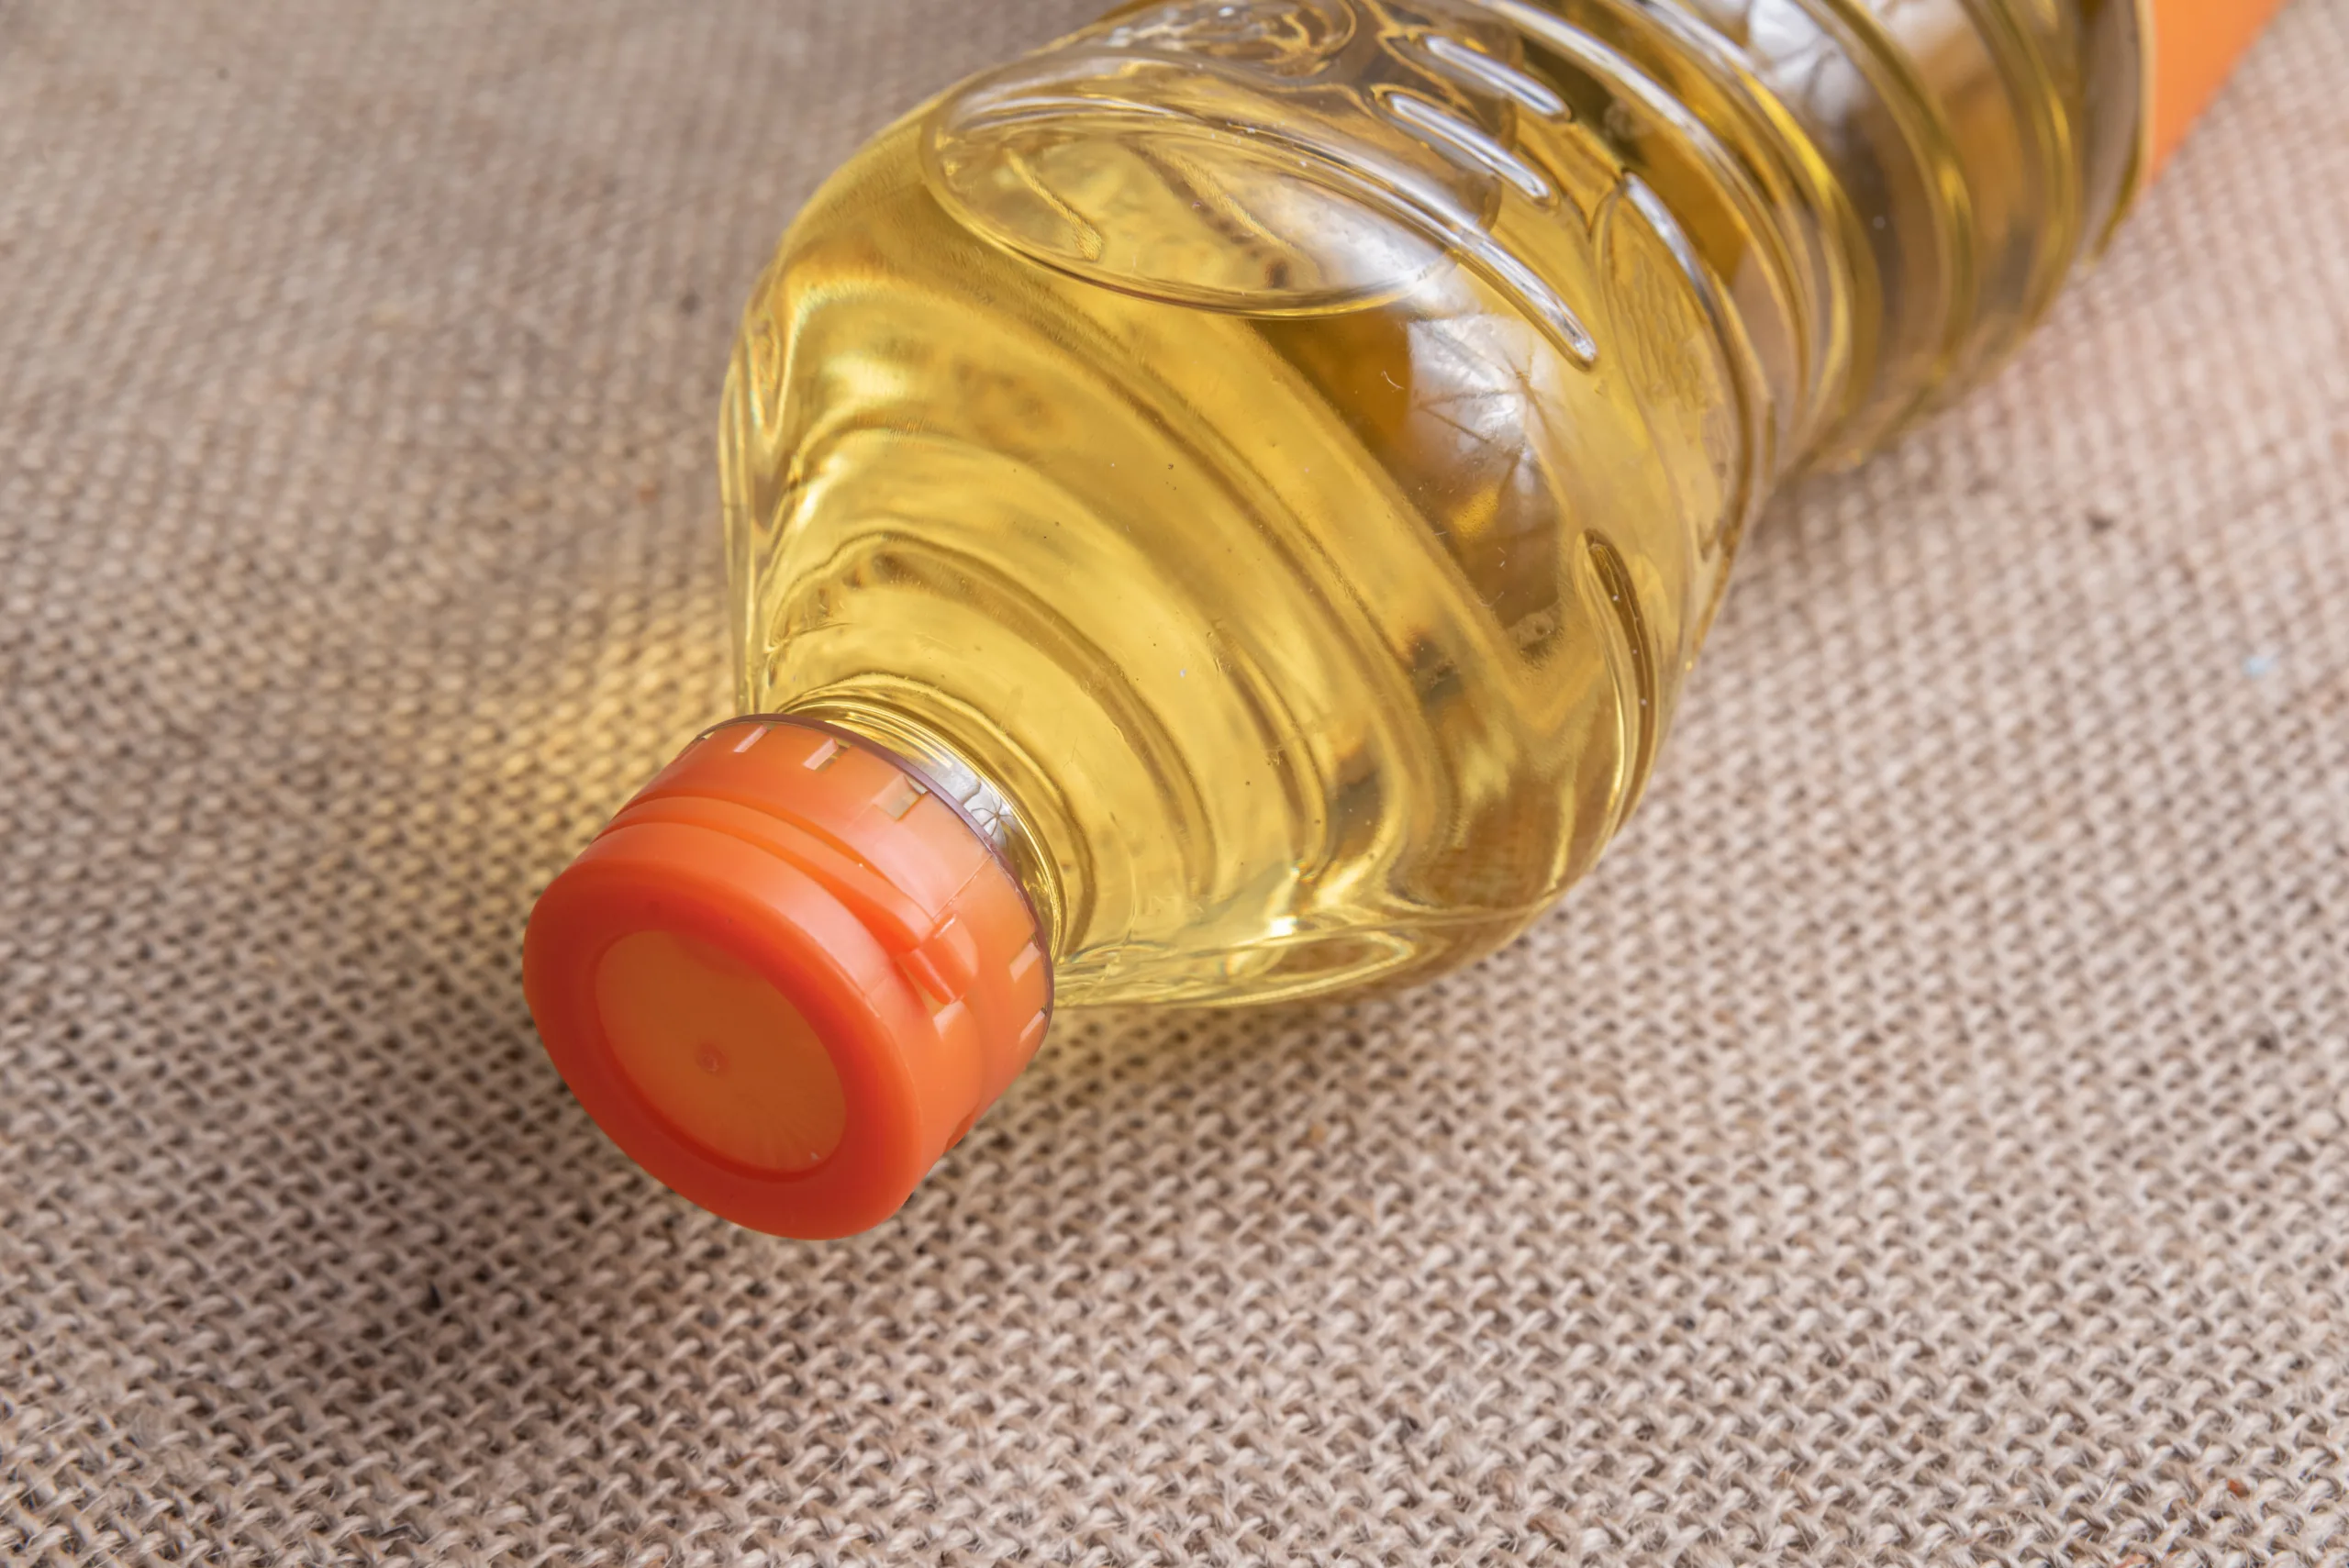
(788, 976)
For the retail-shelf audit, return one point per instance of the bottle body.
(1284, 455)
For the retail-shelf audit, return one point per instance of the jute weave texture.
(1925, 1141)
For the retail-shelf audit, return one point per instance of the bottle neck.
(984, 804)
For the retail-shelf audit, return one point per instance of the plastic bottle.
(1221, 509)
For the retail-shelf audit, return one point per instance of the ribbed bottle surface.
(1282, 455)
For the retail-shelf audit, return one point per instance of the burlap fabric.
(1927, 1139)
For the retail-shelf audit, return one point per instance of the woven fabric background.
(1926, 1141)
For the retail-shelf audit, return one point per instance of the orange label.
(2196, 43)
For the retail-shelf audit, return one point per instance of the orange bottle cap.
(2196, 44)
(788, 976)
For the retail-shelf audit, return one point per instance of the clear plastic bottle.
(1246, 484)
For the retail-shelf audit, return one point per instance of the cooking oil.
(1279, 458)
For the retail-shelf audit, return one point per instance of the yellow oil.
(1280, 457)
